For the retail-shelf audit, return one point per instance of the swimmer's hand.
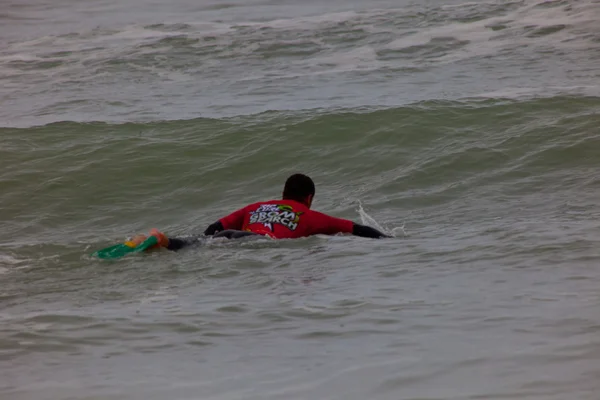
(214, 228)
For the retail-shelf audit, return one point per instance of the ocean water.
(470, 130)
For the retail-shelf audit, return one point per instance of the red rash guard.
(284, 219)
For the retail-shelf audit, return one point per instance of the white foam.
(304, 22)
(6, 259)
(91, 52)
(9, 263)
(463, 5)
(476, 33)
(480, 39)
(358, 58)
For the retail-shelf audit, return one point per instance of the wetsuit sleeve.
(214, 228)
(367, 231)
(328, 225)
(235, 220)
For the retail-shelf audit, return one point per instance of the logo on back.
(270, 214)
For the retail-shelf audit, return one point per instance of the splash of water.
(366, 219)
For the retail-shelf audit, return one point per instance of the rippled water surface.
(468, 129)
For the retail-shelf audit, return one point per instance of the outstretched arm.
(235, 220)
(179, 243)
(367, 231)
(331, 225)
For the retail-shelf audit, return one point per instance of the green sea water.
(468, 130)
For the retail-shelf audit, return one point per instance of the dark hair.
(298, 187)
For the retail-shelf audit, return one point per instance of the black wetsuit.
(179, 243)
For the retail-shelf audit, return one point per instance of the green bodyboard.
(121, 249)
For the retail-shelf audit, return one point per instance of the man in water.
(288, 218)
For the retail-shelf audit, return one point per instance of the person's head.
(300, 188)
